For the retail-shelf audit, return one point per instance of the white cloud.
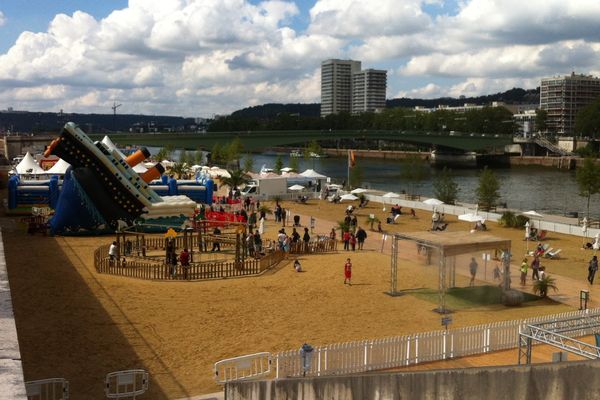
(2, 18)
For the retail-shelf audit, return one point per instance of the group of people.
(171, 259)
(538, 270)
(254, 244)
(285, 242)
(351, 239)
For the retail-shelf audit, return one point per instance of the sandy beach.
(77, 324)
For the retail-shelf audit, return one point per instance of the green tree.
(278, 165)
(356, 176)
(163, 154)
(179, 169)
(587, 121)
(185, 158)
(542, 286)
(488, 191)
(216, 154)
(445, 187)
(588, 180)
(234, 151)
(236, 179)
(414, 170)
(198, 157)
(541, 120)
(248, 163)
(294, 164)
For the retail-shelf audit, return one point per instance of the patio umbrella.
(533, 214)
(433, 202)
(527, 234)
(358, 191)
(296, 187)
(348, 196)
(389, 195)
(471, 218)
(584, 229)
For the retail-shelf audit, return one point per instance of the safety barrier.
(47, 389)
(126, 384)
(252, 366)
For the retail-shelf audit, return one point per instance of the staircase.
(545, 143)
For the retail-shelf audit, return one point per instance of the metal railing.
(251, 366)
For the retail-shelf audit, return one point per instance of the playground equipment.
(25, 194)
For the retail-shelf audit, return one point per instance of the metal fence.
(399, 351)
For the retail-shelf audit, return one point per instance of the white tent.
(311, 173)
(391, 195)
(28, 166)
(59, 168)
(433, 202)
(296, 187)
(111, 146)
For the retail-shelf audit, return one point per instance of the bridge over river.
(258, 140)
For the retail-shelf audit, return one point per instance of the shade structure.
(532, 213)
(391, 195)
(311, 173)
(348, 196)
(358, 191)
(433, 202)
(28, 166)
(60, 168)
(471, 217)
(286, 169)
(296, 188)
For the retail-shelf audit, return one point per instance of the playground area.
(78, 324)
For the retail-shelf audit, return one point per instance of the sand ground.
(75, 323)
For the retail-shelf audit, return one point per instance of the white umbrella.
(358, 191)
(532, 213)
(348, 196)
(433, 202)
(391, 195)
(527, 234)
(286, 169)
(471, 218)
(296, 187)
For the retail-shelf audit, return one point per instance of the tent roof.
(29, 166)
(455, 243)
(311, 173)
(59, 168)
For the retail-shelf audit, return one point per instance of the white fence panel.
(47, 389)
(245, 367)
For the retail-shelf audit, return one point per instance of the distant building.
(525, 122)
(563, 97)
(368, 90)
(344, 87)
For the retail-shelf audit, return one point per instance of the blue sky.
(205, 57)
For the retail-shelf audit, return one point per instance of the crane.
(114, 108)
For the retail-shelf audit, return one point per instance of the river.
(545, 190)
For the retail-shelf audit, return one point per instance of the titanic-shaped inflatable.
(101, 188)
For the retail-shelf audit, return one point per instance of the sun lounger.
(553, 254)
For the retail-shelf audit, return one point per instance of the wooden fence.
(158, 270)
(393, 352)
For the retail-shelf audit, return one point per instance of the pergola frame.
(449, 244)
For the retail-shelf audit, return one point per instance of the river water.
(546, 190)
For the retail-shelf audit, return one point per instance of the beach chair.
(552, 254)
(542, 235)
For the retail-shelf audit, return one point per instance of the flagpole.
(348, 167)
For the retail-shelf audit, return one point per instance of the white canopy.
(59, 168)
(311, 173)
(471, 217)
(358, 191)
(433, 202)
(29, 166)
(286, 169)
(532, 213)
(390, 195)
(296, 187)
(348, 196)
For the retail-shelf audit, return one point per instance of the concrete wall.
(12, 385)
(16, 145)
(567, 380)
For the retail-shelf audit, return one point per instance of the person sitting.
(297, 266)
(539, 250)
(480, 226)
(533, 232)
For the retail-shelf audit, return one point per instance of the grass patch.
(468, 297)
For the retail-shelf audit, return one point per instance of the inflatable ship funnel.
(153, 173)
(137, 157)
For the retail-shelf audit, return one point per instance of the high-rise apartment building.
(343, 85)
(563, 97)
(336, 85)
(368, 90)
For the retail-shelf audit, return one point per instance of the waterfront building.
(525, 122)
(368, 90)
(345, 87)
(563, 96)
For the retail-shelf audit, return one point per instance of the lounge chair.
(542, 235)
(552, 254)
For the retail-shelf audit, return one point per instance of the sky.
(198, 58)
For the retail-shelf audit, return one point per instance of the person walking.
(216, 244)
(353, 241)
(346, 239)
(361, 235)
(184, 260)
(473, 270)
(524, 268)
(535, 267)
(306, 239)
(348, 272)
(592, 268)
(113, 253)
